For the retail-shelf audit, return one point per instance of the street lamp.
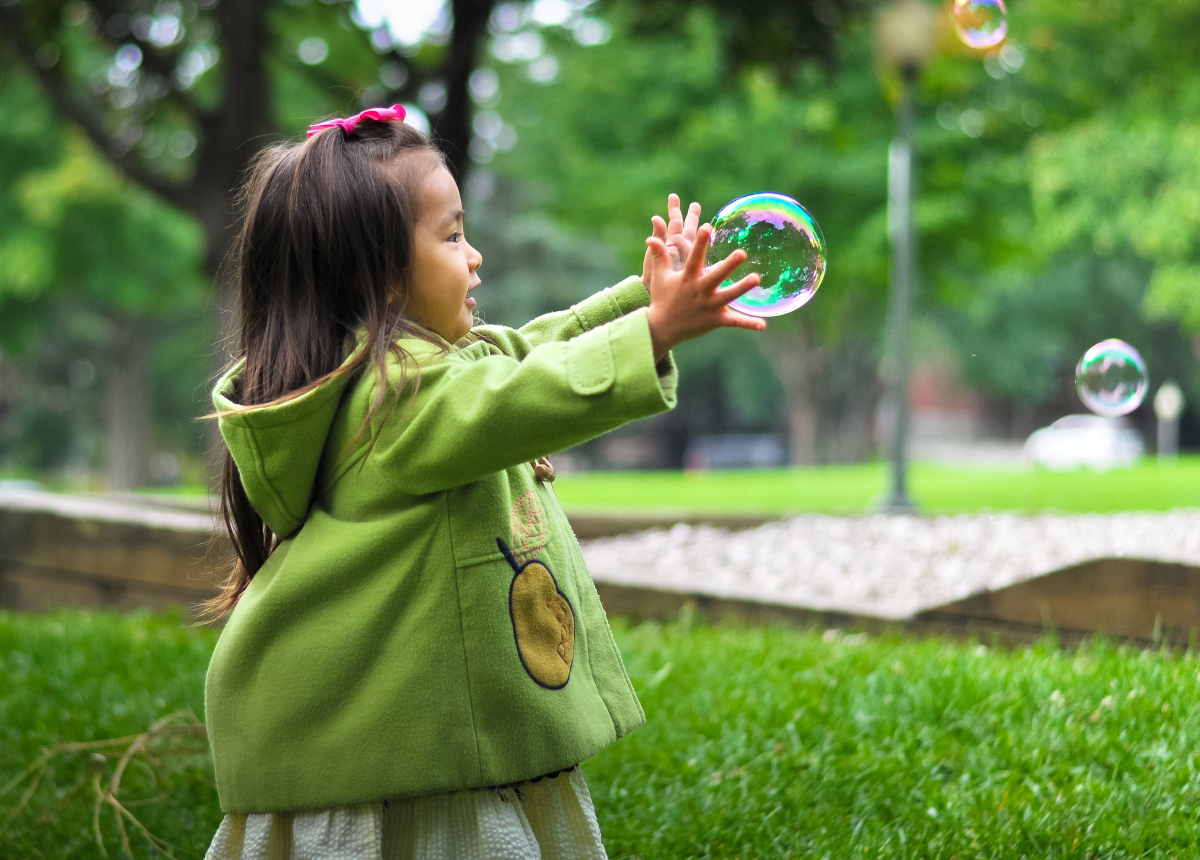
(904, 41)
(1168, 406)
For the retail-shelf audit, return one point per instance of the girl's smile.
(444, 265)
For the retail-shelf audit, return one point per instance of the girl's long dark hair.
(325, 248)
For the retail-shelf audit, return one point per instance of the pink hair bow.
(393, 114)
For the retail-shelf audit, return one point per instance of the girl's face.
(444, 265)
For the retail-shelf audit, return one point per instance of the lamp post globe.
(905, 35)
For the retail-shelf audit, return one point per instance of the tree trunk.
(851, 391)
(230, 138)
(797, 360)
(830, 394)
(453, 124)
(127, 407)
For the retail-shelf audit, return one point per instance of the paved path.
(882, 565)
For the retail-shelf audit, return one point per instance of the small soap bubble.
(1111, 378)
(980, 23)
(782, 243)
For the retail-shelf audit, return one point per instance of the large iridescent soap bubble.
(1111, 378)
(782, 243)
(980, 23)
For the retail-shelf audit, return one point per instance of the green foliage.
(108, 242)
(338, 85)
(71, 226)
(1125, 172)
(642, 115)
(1025, 331)
(854, 489)
(1081, 157)
(634, 119)
(1129, 182)
(26, 145)
(80, 246)
(764, 743)
(531, 265)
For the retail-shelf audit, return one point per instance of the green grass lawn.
(854, 489)
(760, 743)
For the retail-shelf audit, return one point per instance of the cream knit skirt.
(550, 819)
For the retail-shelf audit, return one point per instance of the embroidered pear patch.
(543, 622)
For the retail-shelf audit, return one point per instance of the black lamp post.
(904, 41)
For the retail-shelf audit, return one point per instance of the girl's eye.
(455, 236)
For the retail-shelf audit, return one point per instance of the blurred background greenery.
(1058, 180)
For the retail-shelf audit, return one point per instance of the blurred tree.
(531, 265)
(1022, 336)
(645, 114)
(773, 33)
(179, 96)
(681, 99)
(1114, 176)
(1130, 182)
(713, 99)
(71, 229)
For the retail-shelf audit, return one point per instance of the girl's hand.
(679, 235)
(687, 303)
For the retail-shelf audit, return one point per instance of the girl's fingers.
(658, 251)
(718, 272)
(676, 225)
(680, 246)
(695, 260)
(660, 227)
(735, 319)
(691, 222)
(734, 291)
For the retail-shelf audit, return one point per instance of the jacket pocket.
(590, 367)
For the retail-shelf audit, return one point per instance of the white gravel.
(885, 566)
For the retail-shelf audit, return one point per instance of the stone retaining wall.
(128, 551)
(61, 551)
(125, 553)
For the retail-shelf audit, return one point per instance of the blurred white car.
(1085, 440)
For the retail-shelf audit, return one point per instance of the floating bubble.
(782, 243)
(980, 23)
(1111, 378)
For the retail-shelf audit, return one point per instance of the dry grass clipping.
(173, 735)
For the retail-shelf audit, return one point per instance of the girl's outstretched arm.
(596, 310)
(476, 412)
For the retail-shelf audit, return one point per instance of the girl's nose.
(474, 258)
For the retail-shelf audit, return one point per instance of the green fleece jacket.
(428, 623)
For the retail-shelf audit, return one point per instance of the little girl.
(417, 660)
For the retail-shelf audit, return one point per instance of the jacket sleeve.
(597, 310)
(475, 414)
